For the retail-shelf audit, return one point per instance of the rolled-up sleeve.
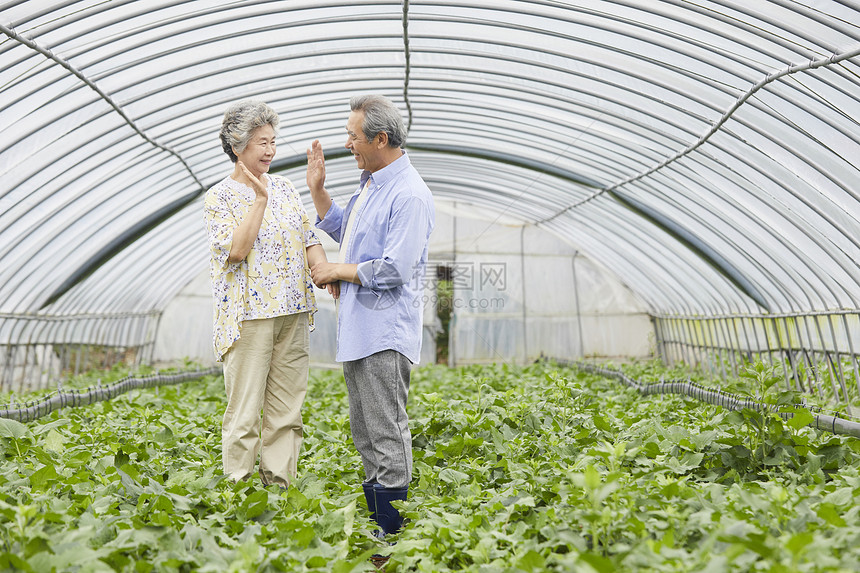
(404, 245)
(332, 222)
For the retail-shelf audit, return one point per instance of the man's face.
(367, 153)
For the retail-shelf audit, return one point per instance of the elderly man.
(383, 234)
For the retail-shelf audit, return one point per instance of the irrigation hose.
(833, 424)
(30, 411)
(64, 399)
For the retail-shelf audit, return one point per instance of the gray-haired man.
(383, 234)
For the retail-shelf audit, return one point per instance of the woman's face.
(260, 151)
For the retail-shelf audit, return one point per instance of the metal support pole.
(853, 353)
(747, 344)
(679, 338)
(700, 342)
(730, 346)
(810, 351)
(838, 359)
(525, 305)
(578, 310)
(658, 341)
(788, 351)
(828, 359)
(757, 341)
(716, 345)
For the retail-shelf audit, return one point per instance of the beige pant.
(266, 369)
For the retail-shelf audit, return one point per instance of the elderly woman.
(261, 247)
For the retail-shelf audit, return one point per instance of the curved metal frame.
(637, 102)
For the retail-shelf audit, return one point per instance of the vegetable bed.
(541, 468)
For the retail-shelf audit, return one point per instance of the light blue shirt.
(389, 243)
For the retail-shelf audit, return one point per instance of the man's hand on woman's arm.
(324, 273)
(316, 255)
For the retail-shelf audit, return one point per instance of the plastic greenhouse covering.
(612, 178)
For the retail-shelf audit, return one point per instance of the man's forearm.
(348, 272)
(322, 201)
(324, 273)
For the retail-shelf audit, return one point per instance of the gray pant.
(378, 386)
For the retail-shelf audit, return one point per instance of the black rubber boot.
(369, 497)
(387, 516)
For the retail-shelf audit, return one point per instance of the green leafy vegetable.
(541, 468)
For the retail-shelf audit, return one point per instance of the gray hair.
(240, 121)
(380, 116)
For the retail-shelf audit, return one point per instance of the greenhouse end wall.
(520, 293)
(505, 282)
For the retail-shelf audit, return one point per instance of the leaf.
(121, 458)
(768, 380)
(598, 562)
(829, 513)
(531, 561)
(736, 418)
(43, 428)
(43, 477)
(13, 429)
(449, 475)
(130, 485)
(339, 522)
(216, 480)
(255, 504)
(787, 398)
(601, 424)
(11, 562)
(813, 464)
(841, 497)
(690, 461)
(591, 478)
(165, 435)
(359, 563)
(55, 441)
(703, 439)
(652, 450)
(519, 501)
(799, 541)
(734, 530)
(802, 417)
(303, 536)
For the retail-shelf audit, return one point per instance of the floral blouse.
(274, 279)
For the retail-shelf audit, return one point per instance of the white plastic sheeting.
(518, 293)
(705, 153)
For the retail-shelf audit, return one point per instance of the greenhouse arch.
(640, 179)
(634, 346)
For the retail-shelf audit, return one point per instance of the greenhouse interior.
(640, 310)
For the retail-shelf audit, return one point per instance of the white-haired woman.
(261, 246)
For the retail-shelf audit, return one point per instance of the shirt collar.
(387, 173)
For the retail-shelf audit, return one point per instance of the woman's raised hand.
(258, 185)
